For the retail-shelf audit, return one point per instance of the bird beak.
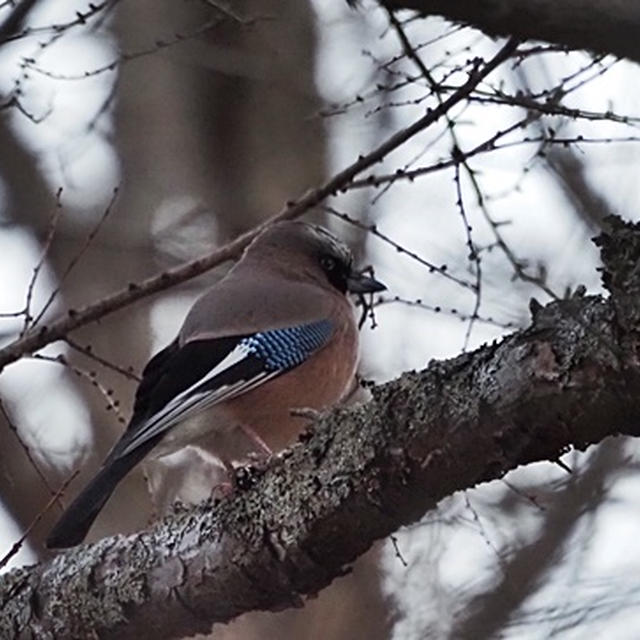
(360, 283)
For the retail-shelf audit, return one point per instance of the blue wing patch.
(247, 363)
(283, 349)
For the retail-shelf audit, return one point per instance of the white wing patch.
(188, 403)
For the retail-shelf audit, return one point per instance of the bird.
(277, 333)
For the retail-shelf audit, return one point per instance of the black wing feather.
(175, 369)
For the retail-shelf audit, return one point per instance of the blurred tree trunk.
(266, 141)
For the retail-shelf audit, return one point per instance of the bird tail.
(77, 519)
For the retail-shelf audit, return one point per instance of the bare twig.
(487, 146)
(25, 447)
(474, 257)
(53, 224)
(89, 353)
(74, 261)
(80, 19)
(397, 552)
(91, 378)
(16, 546)
(373, 229)
(126, 57)
(452, 311)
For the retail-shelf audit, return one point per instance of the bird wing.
(181, 381)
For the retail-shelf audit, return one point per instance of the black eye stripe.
(337, 270)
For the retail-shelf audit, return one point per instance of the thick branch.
(571, 379)
(604, 26)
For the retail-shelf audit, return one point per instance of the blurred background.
(209, 118)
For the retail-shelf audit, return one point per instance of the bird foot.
(306, 412)
(264, 450)
(224, 489)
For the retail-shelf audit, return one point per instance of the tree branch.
(569, 380)
(41, 336)
(604, 27)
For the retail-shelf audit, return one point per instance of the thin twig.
(74, 261)
(487, 146)
(373, 229)
(89, 376)
(88, 351)
(21, 540)
(25, 447)
(80, 19)
(436, 308)
(474, 257)
(397, 552)
(53, 225)
(126, 57)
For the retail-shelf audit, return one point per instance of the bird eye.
(328, 263)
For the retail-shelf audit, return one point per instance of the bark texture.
(569, 380)
(604, 26)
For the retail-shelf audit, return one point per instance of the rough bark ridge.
(604, 26)
(571, 379)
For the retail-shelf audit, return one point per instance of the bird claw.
(306, 412)
(224, 489)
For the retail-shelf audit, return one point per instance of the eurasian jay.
(275, 334)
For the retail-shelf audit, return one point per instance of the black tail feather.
(77, 519)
